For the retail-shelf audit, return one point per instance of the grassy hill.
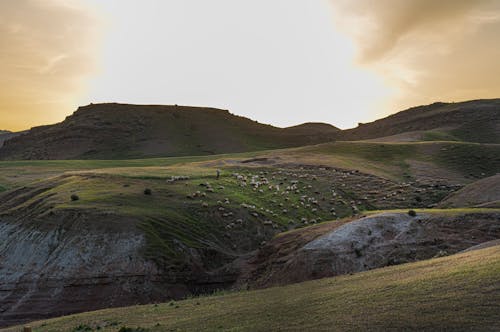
(113, 131)
(485, 192)
(192, 225)
(470, 121)
(458, 293)
(121, 131)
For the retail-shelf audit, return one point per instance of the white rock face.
(30, 253)
(368, 243)
(370, 231)
(70, 265)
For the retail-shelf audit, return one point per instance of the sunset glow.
(281, 62)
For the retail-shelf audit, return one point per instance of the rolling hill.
(290, 205)
(190, 232)
(113, 131)
(471, 121)
(485, 192)
(118, 131)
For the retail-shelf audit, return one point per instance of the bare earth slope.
(111, 131)
(367, 243)
(472, 121)
(455, 293)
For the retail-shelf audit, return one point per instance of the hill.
(314, 128)
(485, 192)
(113, 131)
(471, 121)
(191, 233)
(433, 295)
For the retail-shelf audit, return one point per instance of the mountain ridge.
(112, 130)
(131, 131)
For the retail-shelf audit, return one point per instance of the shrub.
(132, 329)
(412, 213)
(82, 328)
(147, 191)
(75, 197)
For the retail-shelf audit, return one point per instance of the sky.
(281, 62)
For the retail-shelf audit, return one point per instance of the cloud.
(47, 50)
(429, 50)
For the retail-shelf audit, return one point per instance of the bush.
(74, 197)
(132, 329)
(82, 328)
(147, 191)
(412, 213)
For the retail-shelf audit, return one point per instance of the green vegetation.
(457, 293)
(432, 135)
(479, 131)
(184, 213)
(471, 160)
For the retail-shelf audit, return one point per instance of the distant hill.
(472, 121)
(110, 131)
(313, 128)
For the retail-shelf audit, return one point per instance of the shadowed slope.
(111, 131)
(430, 295)
(472, 121)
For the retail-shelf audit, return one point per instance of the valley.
(97, 233)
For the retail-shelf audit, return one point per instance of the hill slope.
(472, 121)
(111, 131)
(485, 192)
(5, 135)
(438, 294)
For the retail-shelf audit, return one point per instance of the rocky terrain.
(6, 135)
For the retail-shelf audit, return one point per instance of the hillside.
(193, 233)
(113, 131)
(432, 295)
(5, 135)
(485, 192)
(471, 121)
(119, 131)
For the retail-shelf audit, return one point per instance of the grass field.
(391, 160)
(454, 293)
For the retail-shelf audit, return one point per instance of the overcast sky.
(277, 61)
